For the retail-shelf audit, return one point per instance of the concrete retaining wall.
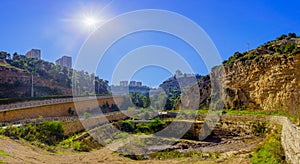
(54, 110)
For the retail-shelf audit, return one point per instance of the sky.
(62, 27)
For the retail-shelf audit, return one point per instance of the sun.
(86, 19)
(90, 21)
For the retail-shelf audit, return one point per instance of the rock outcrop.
(271, 84)
(269, 80)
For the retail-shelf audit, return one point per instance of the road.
(45, 102)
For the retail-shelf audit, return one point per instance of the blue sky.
(56, 27)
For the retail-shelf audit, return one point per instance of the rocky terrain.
(265, 78)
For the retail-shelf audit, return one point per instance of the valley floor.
(18, 151)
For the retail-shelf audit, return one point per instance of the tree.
(4, 55)
(237, 55)
(292, 35)
(283, 36)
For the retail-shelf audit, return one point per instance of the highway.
(35, 103)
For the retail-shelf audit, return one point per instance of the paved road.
(45, 102)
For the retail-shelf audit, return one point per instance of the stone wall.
(290, 139)
(76, 126)
(290, 135)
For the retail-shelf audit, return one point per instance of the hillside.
(17, 73)
(265, 78)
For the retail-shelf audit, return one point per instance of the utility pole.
(32, 85)
(32, 91)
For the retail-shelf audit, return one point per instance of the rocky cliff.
(266, 78)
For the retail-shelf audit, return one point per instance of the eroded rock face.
(269, 84)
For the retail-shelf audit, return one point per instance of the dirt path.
(22, 152)
(16, 151)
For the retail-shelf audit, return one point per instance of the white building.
(123, 83)
(65, 61)
(34, 53)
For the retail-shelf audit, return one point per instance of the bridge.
(66, 107)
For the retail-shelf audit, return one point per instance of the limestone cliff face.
(266, 78)
(269, 84)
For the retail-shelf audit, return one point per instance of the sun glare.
(90, 22)
(87, 18)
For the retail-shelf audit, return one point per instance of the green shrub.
(49, 132)
(156, 125)
(81, 146)
(259, 128)
(143, 128)
(127, 126)
(4, 153)
(86, 115)
(271, 152)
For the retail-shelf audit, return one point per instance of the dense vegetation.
(85, 83)
(153, 126)
(49, 135)
(283, 45)
(175, 86)
(271, 152)
(49, 132)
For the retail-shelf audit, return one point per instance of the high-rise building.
(138, 84)
(132, 83)
(123, 83)
(65, 61)
(34, 53)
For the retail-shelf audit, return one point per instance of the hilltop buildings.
(123, 83)
(34, 53)
(131, 83)
(65, 61)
